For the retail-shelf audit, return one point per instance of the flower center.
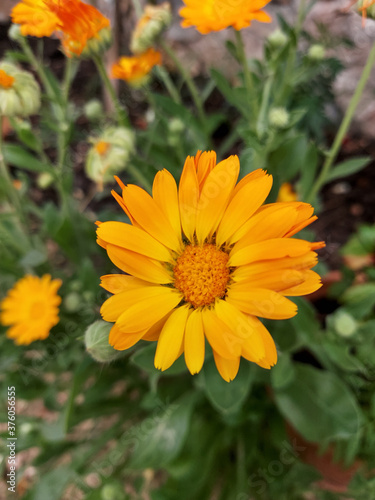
(102, 147)
(6, 81)
(201, 274)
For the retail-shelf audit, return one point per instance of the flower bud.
(278, 117)
(73, 302)
(113, 491)
(151, 25)
(109, 154)
(176, 128)
(96, 45)
(344, 323)
(316, 52)
(14, 32)
(44, 180)
(286, 193)
(19, 91)
(96, 342)
(93, 110)
(277, 39)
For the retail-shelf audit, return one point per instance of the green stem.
(10, 191)
(344, 127)
(122, 117)
(248, 77)
(189, 82)
(262, 117)
(168, 83)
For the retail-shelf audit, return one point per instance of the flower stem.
(122, 117)
(343, 129)
(190, 84)
(168, 83)
(248, 77)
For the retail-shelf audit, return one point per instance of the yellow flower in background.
(216, 15)
(35, 18)
(31, 309)
(135, 70)
(286, 193)
(204, 260)
(78, 24)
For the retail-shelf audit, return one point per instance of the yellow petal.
(113, 307)
(303, 262)
(164, 192)
(153, 333)
(242, 206)
(220, 336)
(311, 283)
(194, 342)
(270, 249)
(261, 302)
(269, 357)
(134, 239)
(278, 280)
(204, 163)
(138, 265)
(146, 312)
(242, 325)
(215, 195)
(228, 368)
(115, 283)
(171, 338)
(188, 193)
(147, 213)
(122, 340)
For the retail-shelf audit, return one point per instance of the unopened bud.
(344, 323)
(93, 110)
(113, 491)
(14, 32)
(277, 39)
(316, 52)
(19, 91)
(96, 341)
(44, 180)
(278, 118)
(151, 25)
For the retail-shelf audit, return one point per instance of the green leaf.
(19, 157)
(360, 299)
(289, 158)
(160, 437)
(319, 405)
(348, 167)
(227, 397)
(283, 373)
(52, 484)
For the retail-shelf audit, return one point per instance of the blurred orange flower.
(6, 81)
(135, 69)
(216, 15)
(76, 21)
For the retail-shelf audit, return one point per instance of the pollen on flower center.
(202, 274)
(6, 81)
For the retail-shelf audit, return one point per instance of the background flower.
(135, 70)
(31, 308)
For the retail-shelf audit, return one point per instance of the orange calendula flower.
(35, 18)
(135, 70)
(77, 23)
(216, 15)
(31, 309)
(203, 261)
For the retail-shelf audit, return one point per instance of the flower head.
(216, 15)
(19, 91)
(150, 26)
(109, 154)
(135, 70)
(286, 193)
(31, 309)
(82, 27)
(203, 261)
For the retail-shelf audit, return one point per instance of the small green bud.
(176, 128)
(278, 118)
(44, 180)
(14, 32)
(277, 39)
(93, 110)
(113, 491)
(73, 302)
(344, 323)
(316, 52)
(26, 428)
(96, 341)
